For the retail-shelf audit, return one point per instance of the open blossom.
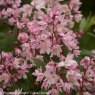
(14, 3)
(68, 62)
(23, 37)
(74, 5)
(74, 77)
(45, 47)
(8, 65)
(69, 38)
(56, 50)
(85, 62)
(86, 93)
(27, 10)
(4, 77)
(34, 43)
(90, 74)
(34, 27)
(38, 4)
(53, 91)
(1, 91)
(39, 74)
(78, 17)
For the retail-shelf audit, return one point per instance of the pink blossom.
(34, 43)
(67, 87)
(56, 50)
(85, 62)
(39, 75)
(27, 10)
(73, 77)
(4, 77)
(45, 47)
(23, 37)
(69, 38)
(78, 17)
(74, 5)
(86, 93)
(38, 4)
(53, 92)
(33, 27)
(17, 51)
(69, 62)
(1, 91)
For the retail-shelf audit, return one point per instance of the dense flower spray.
(45, 28)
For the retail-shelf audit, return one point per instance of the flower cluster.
(12, 69)
(45, 27)
(68, 75)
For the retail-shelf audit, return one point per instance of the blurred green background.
(87, 42)
(88, 6)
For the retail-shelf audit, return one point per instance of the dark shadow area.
(88, 6)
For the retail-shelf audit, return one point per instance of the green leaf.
(7, 39)
(62, 93)
(83, 24)
(26, 1)
(39, 63)
(85, 52)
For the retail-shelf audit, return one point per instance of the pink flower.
(6, 55)
(73, 77)
(33, 27)
(53, 91)
(56, 50)
(12, 21)
(67, 87)
(89, 74)
(1, 91)
(74, 5)
(16, 63)
(45, 85)
(66, 8)
(17, 51)
(25, 47)
(85, 62)
(51, 67)
(69, 63)
(27, 10)
(59, 86)
(39, 57)
(4, 77)
(69, 39)
(39, 75)
(51, 78)
(38, 4)
(86, 93)
(45, 47)
(23, 37)
(77, 17)
(34, 43)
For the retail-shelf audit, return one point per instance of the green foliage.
(7, 39)
(39, 63)
(87, 42)
(26, 1)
